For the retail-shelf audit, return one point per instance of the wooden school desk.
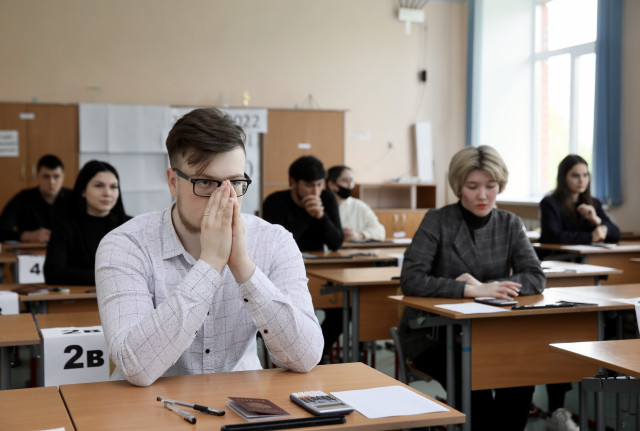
(369, 287)
(79, 298)
(33, 409)
(506, 349)
(372, 314)
(561, 274)
(78, 319)
(391, 242)
(344, 258)
(618, 257)
(15, 330)
(7, 257)
(122, 406)
(13, 248)
(622, 356)
(23, 246)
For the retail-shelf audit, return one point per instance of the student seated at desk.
(28, 216)
(185, 290)
(95, 208)
(310, 213)
(466, 250)
(356, 217)
(570, 215)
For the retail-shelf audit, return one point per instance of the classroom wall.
(351, 55)
(347, 54)
(628, 215)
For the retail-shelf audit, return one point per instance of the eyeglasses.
(205, 187)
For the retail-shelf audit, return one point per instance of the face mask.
(344, 192)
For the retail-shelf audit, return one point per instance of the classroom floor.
(385, 362)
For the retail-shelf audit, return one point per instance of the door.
(13, 169)
(42, 129)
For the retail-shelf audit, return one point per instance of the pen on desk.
(198, 407)
(313, 421)
(186, 416)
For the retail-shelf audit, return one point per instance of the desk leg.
(345, 326)
(451, 384)
(5, 366)
(355, 324)
(619, 400)
(466, 373)
(637, 410)
(584, 411)
(599, 395)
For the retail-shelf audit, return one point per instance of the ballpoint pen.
(198, 407)
(186, 416)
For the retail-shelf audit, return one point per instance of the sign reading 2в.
(75, 355)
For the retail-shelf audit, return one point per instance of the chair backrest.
(407, 372)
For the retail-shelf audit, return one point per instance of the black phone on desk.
(490, 300)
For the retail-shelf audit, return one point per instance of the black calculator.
(320, 403)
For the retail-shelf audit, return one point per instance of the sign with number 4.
(75, 355)
(30, 268)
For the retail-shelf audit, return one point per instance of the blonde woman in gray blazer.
(467, 250)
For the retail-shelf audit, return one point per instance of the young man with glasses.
(185, 290)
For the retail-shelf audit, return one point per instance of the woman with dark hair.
(570, 215)
(95, 208)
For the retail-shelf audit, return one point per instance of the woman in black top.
(570, 215)
(95, 208)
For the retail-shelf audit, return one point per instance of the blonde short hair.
(485, 158)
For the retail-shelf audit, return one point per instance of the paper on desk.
(399, 257)
(582, 247)
(633, 301)
(620, 248)
(401, 240)
(388, 401)
(471, 308)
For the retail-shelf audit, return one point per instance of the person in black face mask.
(358, 220)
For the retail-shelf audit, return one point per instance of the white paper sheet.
(471, 308)
(581, 248)
(388, 401)
(401, 240)
(633, 301)
(620, 248)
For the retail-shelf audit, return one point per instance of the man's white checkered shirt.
(164, 313)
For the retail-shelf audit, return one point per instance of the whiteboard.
(132, 138)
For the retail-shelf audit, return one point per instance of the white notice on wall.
(424, 152)
(9, 143)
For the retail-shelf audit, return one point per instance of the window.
(533, 86)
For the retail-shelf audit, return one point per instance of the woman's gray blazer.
(443, 248)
